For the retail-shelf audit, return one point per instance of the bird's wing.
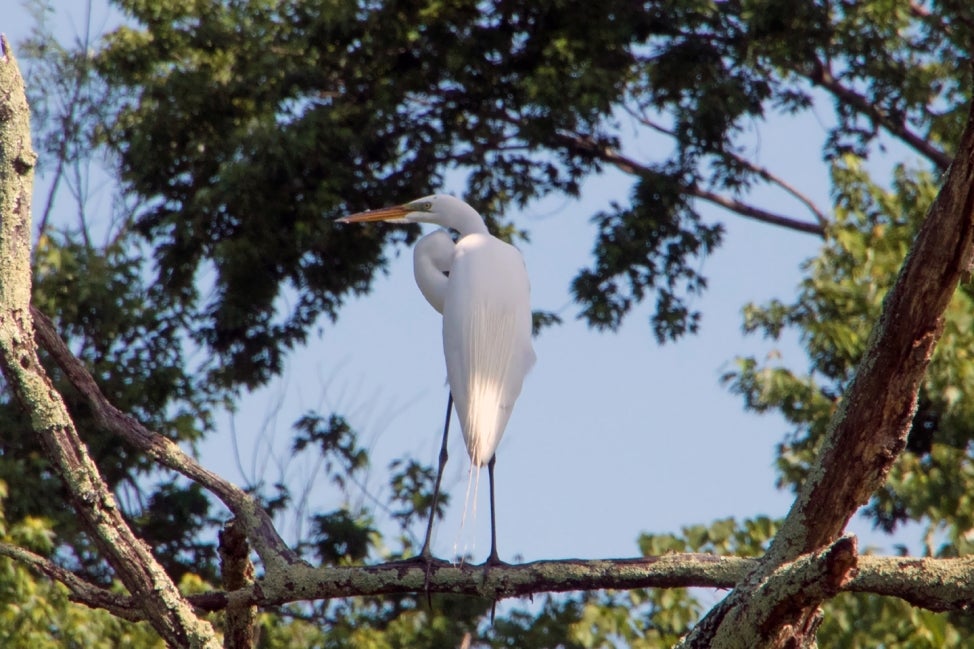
(486, 338)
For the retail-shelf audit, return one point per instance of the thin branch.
(256, 522)
(774, 179)
(756, 213)
(80, 591)
(763, 172)
(821, 76)
(630, 166)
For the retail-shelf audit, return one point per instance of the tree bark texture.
(870, 427)
(240, 630)
(168, 612)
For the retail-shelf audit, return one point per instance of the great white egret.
(480, 285)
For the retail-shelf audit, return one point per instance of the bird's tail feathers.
(460, 547)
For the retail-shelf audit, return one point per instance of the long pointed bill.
(395, 213)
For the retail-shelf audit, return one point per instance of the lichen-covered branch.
(791, 589)
(171, 616)
(933, 584)
(302, 582)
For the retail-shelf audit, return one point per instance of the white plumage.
(486, 338)
(481, 287)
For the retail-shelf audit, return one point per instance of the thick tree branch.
(933, 584)
(168, 612)
(630, 166)
(810, 579)
(869, 430)
(870, 427)
(302, 582)
(821, 76)
(250, 515)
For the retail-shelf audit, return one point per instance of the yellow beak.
(395, 213)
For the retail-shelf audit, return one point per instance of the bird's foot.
(427, 560)
(411, 562)
(493, 561)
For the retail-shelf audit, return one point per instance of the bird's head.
(441, 209)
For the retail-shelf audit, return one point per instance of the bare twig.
(68, 122)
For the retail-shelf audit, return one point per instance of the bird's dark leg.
(426, 554)
(493, 559)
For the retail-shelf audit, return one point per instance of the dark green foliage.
(246, 127)
(334, 440)
(412, 492)
(312, 110)
(542, 319)
(339, 537)
(647, 248)
(170, 524)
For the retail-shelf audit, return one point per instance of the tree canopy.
(236, 131)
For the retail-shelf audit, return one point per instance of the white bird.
(480, 285)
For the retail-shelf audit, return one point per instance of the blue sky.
(613, 435)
